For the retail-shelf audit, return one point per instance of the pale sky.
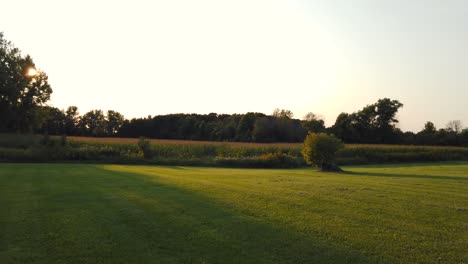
(158, 57)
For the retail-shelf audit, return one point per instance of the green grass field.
(71, 213)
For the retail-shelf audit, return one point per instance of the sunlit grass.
(146, 214)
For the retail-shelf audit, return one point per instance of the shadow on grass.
(178, 225)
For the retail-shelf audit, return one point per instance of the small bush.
(320, 149)
(145, 146)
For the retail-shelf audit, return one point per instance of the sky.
(148, 57)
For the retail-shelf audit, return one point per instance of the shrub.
(145, 146)
(320, 150)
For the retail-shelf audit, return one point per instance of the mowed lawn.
(69, 213)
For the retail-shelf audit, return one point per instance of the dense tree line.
(24, 90)
(451, 135)
(249, 127)
(374, 124)
(93, 123)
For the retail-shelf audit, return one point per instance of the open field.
(77, 213)
(34, 148)
(239, 154)
(113, 140)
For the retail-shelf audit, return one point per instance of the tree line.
(249, 127)
(374, 124)
(24, 92)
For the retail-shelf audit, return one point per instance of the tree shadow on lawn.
(178, 225)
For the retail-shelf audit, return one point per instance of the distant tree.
(225, 128)
(427, 136)
(446, 137)
(345, 128)
(407, 138)
(282, 113)
(464, 137)
(312, 116)
(71, 120)
(320, 150)
(246, 125)
(385, 110)
(115, 120)
(313, 123)
(454, 126)
(274, 129)
(55, 122)
(265, 129)
(374, 123)
(93, 123)
(23, 90)
(429, 128)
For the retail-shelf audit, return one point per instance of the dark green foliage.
(246, 125)
(250, 127)
(114, 121)
(344, 128)
(313, 123)
(320, 149)
(375, 123)
(93, 123)
(55, 123)
(45, 141)
(453, 135)
(145, 146)
(429, 128)
(374, 154)
(273, 129)
(21, 95)
(71, 120)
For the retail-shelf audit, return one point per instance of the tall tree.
(385, 120)
(115, 120)
(71, 120)
(246, 126)
(454, 126)
(23, 90)
(93, 123)
(282, 113)
(55, 122)
(385, 110)
(313, 123)
(429, 128)
(374, 123)
(345, 128)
